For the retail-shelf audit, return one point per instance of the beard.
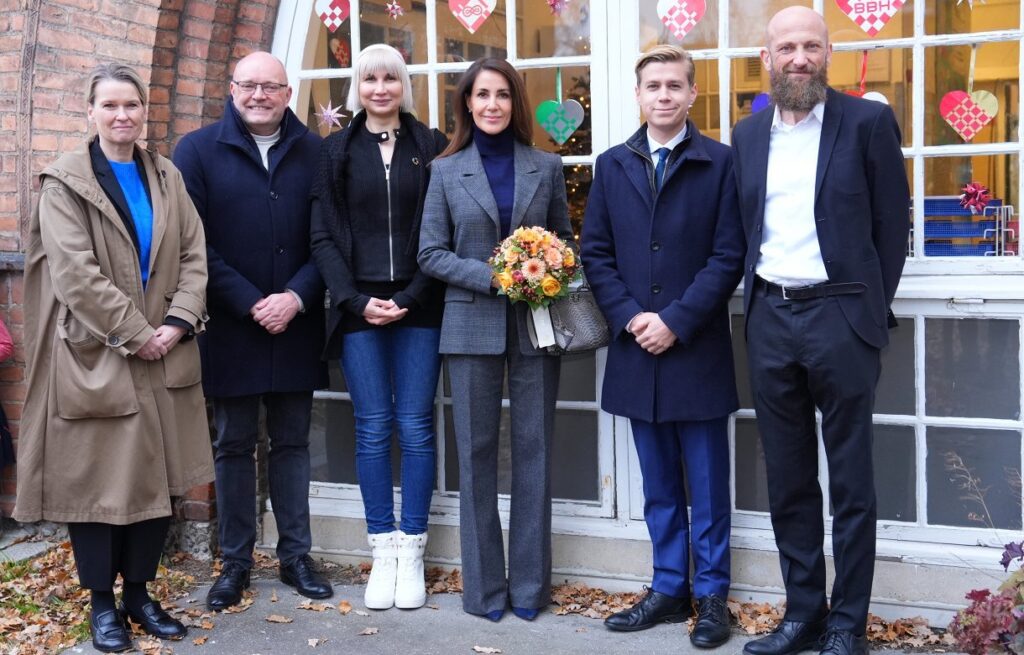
(795, 95)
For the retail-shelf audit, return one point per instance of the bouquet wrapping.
(536, 267)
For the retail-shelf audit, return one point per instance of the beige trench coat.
(106, 436)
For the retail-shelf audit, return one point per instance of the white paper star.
(328, 116)
(394, 9)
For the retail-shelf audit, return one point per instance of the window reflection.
(654, 32)
(543, 33)
(456, 43)
(959, 18)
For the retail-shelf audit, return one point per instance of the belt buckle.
(785, 292)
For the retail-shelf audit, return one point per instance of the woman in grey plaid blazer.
(488, 182)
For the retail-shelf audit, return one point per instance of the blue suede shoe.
(525, 613)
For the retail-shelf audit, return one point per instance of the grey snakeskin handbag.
(577, 322)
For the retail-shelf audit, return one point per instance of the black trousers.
(103, 550)
(804, 354)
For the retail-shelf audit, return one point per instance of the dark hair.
(522, 117)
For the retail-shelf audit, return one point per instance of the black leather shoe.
(227, 590)
(653, 609)
(844, 642)
(155, 621)
(109, 634)
(301, 575)
(712, 629)
(789, 638)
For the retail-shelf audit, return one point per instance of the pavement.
(440, 628)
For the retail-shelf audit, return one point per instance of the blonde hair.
(374, 58)
(118, 73)
(664, 54)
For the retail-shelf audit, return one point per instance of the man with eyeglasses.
(249, 177)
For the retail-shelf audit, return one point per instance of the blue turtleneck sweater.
(497, 152)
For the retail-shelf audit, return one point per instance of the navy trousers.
(237, 424)
(703, 448)
(805, 354)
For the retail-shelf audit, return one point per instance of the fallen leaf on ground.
(369, 631)
(206, 624)
(344, 607)
(313, 643)
(273, 595)
(432, 607)
(277, 618)
(199, 641)
(361, 613)
(485, 649)
(313, 607)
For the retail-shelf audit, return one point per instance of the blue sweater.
(497, 153)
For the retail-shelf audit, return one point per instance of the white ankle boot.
(380, 588)
(410, 589)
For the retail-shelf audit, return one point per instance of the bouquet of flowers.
(534, 266)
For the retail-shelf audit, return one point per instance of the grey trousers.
(476, 384)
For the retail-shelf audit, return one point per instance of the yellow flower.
(505, 279)
(550, 286)
(569, 258)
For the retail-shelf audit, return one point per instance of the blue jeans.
(392, 375)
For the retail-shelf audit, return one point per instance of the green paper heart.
(560, 119)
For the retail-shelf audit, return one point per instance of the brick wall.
(184, 49)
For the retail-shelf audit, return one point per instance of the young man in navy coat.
(825, 205)
(249, 175)
(663, 252)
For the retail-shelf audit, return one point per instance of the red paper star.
(557, 6)
(394, 9)
(328, 116)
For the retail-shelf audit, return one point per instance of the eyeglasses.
(269, 88)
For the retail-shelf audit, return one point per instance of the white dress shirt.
(790, 254)
(671, 144)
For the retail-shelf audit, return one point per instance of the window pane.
(972, 368)
(843, 28)
(542, 33)
(576, 380)
(578, 179)
(324, 93)
(895, 479)
(895, 392)
(654, 32)
(959, 18)
(747, 19)
(407, 33)
(974, 478)
(332, 442)
(751, 479)
(327, 49)
(749, 79)
(574, 455)
(951, 230)
(541, 86)
(456, 43)
(705, 110)
(887, 72)
(947, 69)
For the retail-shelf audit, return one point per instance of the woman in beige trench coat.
(114, 422)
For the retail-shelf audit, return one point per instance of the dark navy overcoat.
(679, 253)
(257, 234)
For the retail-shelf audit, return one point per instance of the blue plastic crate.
(958, 229)
(945, 249)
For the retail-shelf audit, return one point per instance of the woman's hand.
(382, 312)
(169, 335)
(153, 349)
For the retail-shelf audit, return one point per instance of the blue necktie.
(659, 169)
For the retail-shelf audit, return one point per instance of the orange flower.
(505, 279)
(550, 286)
(569, 258)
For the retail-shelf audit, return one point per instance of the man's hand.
(651, 333)
(382, 312)
(169, 335)
(153, 349)
(275, 312)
